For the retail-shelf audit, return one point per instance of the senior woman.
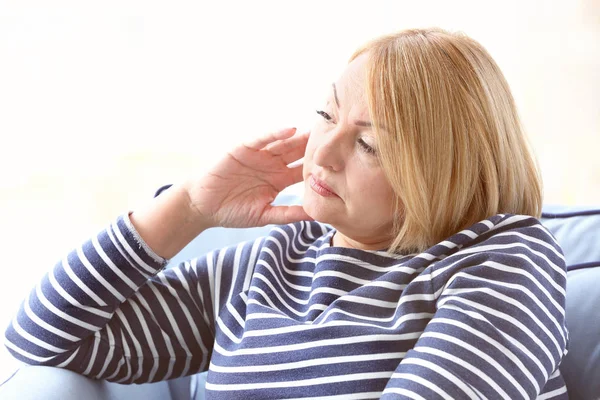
(416, 267)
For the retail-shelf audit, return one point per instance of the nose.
(332, 150)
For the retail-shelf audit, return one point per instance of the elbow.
(31, 351)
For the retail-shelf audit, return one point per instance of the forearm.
(80, 294)
(168, 223)
(106, 309)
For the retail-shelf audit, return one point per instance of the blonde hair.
(450, 138)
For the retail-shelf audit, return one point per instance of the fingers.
(296, 174)
(282, 215)
(295, 155)
(261, 142)
(284, 146)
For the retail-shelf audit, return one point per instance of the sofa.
(577, 229)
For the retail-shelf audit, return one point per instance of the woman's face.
(344, 183)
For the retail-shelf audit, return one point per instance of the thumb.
(282, 215)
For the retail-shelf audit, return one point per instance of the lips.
(321, 187)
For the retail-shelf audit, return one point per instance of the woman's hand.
(237, 192)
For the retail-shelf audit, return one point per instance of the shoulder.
(523, 232)
(503, 232)
(505, 244)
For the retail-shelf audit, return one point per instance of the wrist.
(189, 194)
(169, 222)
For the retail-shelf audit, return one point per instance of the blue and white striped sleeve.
(109, 311)
(499, 330)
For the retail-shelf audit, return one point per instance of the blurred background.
(103, 102)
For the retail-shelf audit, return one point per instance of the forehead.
(350, 86)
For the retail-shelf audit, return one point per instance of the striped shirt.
(480, 315)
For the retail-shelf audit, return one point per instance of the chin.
(319, 211)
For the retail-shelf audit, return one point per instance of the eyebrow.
(337, 102)
(335, 95)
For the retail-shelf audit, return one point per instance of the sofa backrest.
(577, 230)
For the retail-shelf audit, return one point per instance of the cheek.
(376, 192)
(307, 162)
(308, 157)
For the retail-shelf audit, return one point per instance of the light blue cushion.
(581, 366)
(51, 383)
(577, 230)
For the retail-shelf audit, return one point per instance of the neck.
(341, 240)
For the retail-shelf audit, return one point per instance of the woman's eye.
(324, 115)
(368, 149)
